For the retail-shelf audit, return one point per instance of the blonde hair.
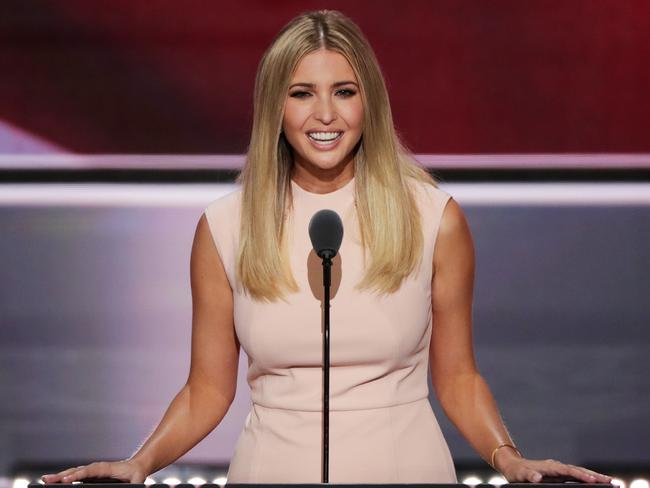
(389, 220)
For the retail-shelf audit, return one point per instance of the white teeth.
(324, 136)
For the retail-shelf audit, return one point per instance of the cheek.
(294, 118)
(354, 116)
(292, 124)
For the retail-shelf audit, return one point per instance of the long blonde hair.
(388, 217)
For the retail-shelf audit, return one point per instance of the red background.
(504, 76)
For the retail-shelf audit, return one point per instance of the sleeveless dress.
(382, 427)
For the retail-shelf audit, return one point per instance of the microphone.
(326, 234)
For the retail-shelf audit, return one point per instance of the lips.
(324, 140)
(325, 144)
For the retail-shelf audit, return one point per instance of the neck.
(322, 181)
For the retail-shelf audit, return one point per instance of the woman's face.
(323, 113)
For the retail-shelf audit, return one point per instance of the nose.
(325, 111)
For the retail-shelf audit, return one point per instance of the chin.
(321, 163)
(325, 165)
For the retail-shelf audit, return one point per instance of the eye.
(346, 92)
(299, 94)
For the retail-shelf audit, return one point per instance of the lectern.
(321, 485)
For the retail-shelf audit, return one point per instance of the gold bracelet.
(499, 447)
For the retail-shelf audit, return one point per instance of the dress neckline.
(347, 189)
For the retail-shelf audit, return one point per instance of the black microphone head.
(326, 233)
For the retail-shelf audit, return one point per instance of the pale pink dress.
(382, 427)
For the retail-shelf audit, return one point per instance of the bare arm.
(210, 388)
(463, 393)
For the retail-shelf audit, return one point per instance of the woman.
(323, 137)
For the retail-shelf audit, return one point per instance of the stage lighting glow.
(497, 481)
(150, 481)
(50, 157)
(194, 195)
(639, 483)
(172, 481)
(618, 482)
(196, 481)
(20, 483)
(220, 480)
(472, 481)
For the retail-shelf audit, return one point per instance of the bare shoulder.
(215, 348)
(453, 223)
(454, 244)
(203, 241)
(218, 224)
(206, 265)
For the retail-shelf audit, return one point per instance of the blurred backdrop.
(121, 120)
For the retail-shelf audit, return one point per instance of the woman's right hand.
(129, 470)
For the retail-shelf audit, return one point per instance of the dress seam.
(344, 409)
(254, 467)
(392, 433)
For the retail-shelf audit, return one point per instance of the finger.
(602, 478)
(605, 478)
(96, 470)
(51, 478)
(577, 472)
(75, 475)
(586, 474)
(57, 477)
(66, 472)
(551, 467)
(598, 476)
(558, 468)
(532, 476)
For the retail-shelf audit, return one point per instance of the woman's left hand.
(522, 470)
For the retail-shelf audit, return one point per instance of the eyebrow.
(334, 85)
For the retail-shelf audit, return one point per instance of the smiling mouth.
(324, 138)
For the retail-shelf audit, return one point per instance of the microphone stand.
(326, 234)
(327, 280)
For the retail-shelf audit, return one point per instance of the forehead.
(324, 66)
